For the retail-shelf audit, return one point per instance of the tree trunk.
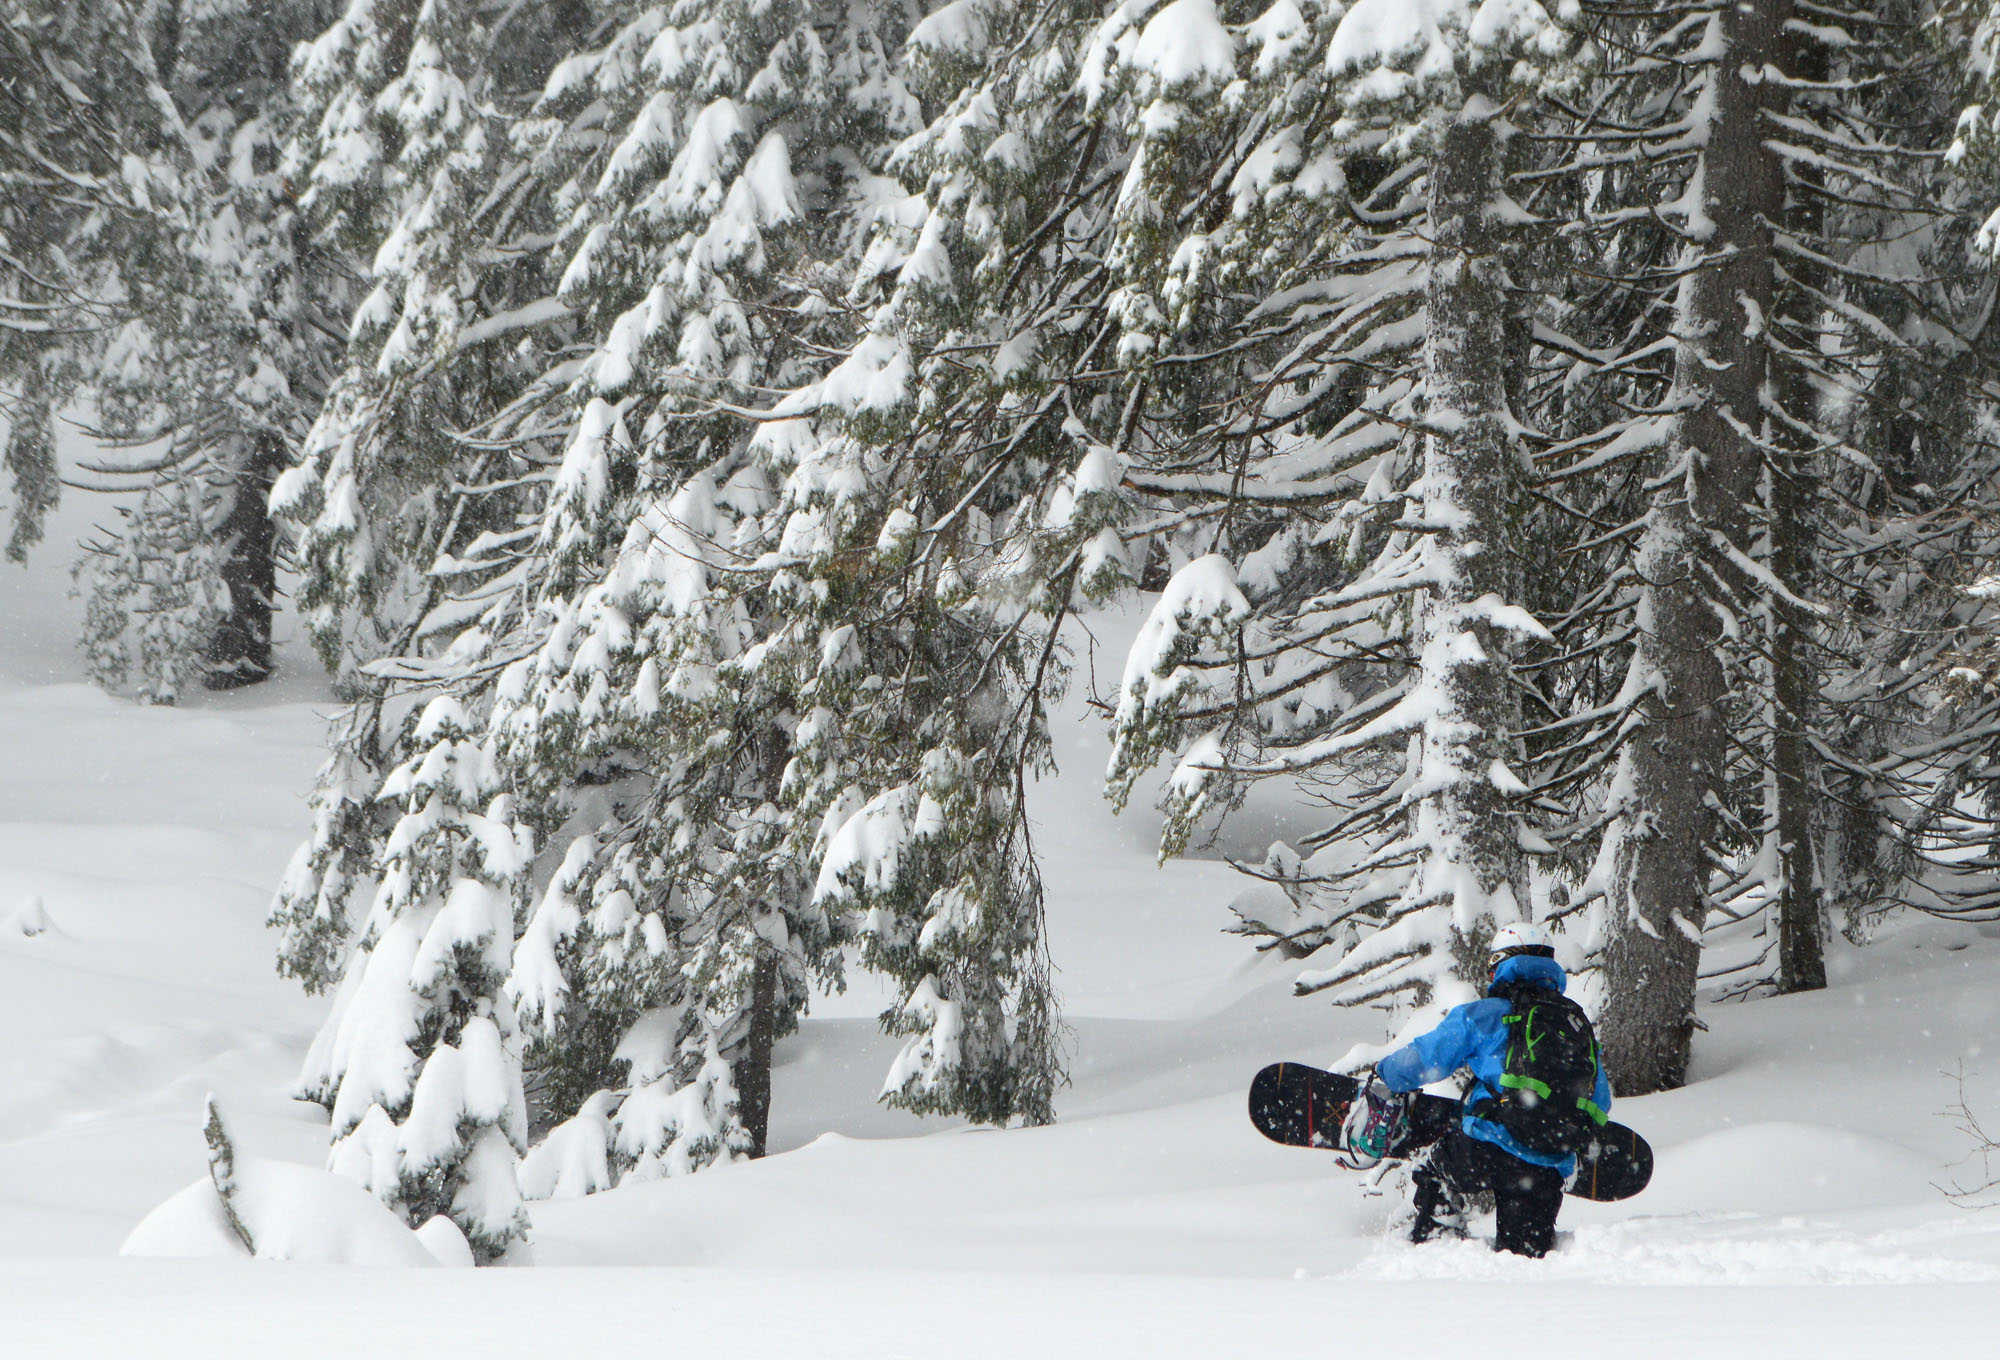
(1793, 777)
(1862, 860)
(1794, 770)
(29, 458)
(1801, 935)
(1465, 824)
(239, 653)
(753, 1069)
(1673, 768)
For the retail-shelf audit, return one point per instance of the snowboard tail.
(1302, 1106)
(1616, 1164)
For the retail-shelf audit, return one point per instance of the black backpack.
(1548, 1074)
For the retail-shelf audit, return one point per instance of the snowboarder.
(1538, 1089)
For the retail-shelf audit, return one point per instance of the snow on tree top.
(443, 717)
(584, 477)
(767, 180)
(963, 26)
(1186, 44)
(1279, 32)
(1506, 25)
(866, 852)
(694, 182)
(875, 377)
(475, 920)
(651, 130)
(535, 983)
(1417, 36)
(1409, 35)
(1201, 596)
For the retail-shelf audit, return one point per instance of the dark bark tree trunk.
(1794, 766)
(753, 1069)
(239, 653)
(1674, 767)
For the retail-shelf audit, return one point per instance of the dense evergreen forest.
(1559, 438)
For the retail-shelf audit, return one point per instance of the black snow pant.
(1526, 1197)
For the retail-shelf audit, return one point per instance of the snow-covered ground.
(140, 847)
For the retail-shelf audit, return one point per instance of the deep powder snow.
(137, 853)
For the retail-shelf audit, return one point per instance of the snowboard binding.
(1375, 1124)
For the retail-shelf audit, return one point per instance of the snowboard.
(1302, 1106)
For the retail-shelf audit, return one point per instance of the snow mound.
(443, 1239)
(292, 1213)
(1789, 1168)
(28, 920)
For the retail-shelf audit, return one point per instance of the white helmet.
(1520, 937)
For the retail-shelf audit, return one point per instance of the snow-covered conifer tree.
(688, 948)
(1740, 467)
(314, 910)
(1463, 712)
(1910, 692)
(1289, 658)
(718, 657)
(1803, 228)
(50, 147)
(705, 158)
(401, 161)
(156, 597)
(1668, 785)
(418, 1063)
(29, 456)
(401, 165)
(48, 141)
(397, 167)
(202, 336)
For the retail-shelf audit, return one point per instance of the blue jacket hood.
(1531, 969)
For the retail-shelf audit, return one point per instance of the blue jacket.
(1474, 1036)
